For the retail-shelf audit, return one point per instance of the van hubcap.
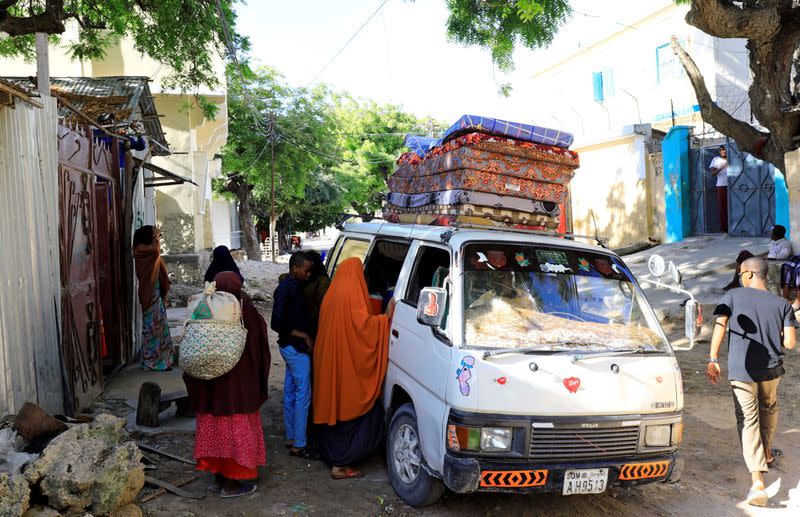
(406, 454)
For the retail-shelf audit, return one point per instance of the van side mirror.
(431, 306)
(692, 324)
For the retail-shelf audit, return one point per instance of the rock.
(41, 511)
(130, 510)
(92, 467)
(260, 296)
(15, 495)
(179, 294)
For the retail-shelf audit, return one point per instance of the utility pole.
(272, 222)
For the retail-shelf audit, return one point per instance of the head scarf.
(229, 282)
(351, 353)
(150, 267)
(221, 261)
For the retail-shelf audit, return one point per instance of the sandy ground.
(714, 482)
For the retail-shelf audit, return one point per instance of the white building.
(611, 72)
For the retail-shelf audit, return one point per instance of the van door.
(420, 354)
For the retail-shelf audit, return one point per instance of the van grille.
(573, 442)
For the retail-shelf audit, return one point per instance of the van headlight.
(495, 439)
(663, 435)
(474, 439)
(657, 435)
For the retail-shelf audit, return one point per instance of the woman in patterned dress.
(157, 352)
(229, 441)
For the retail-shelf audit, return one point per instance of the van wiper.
(524, 350)
(608, 353)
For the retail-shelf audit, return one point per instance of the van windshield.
(559, 299)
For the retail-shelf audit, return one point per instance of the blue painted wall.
(781, 201)
(675, 149)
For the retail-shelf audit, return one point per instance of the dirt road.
(714, 482)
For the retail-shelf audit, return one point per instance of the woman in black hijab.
(221, 261)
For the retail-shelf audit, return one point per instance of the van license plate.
(589, 481)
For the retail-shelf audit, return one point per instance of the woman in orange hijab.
(351, 355)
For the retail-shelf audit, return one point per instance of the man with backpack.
(292, 321)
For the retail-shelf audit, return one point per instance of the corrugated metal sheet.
(30, 356)
(137, 102)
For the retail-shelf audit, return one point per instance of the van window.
(383, 267)
(351, 248)
(431, 269)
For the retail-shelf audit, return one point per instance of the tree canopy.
(181, 34)
(333, 152)
(772, 31)
(500, 25)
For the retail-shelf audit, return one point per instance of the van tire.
(413, 484)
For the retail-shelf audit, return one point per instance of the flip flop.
(288, 445)
(351, 474)
(304, 453)
(244, 489)
(776, 455)
(757, 497)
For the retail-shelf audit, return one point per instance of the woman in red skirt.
(229, 441)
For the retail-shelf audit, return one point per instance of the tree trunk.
(242, 190)
(248, 226)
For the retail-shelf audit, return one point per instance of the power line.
(371, 16)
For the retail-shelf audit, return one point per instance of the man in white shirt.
(780, 248)
(719, 168)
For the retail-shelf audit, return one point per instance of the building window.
(603, 85)
(668, 66)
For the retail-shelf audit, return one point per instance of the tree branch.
(747, 137)
(725, 20)
(50, 21)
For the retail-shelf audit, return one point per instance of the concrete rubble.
(14, 495)
(90, 468)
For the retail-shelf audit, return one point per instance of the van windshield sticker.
(521, 260)
(583, 265)
(554, 257)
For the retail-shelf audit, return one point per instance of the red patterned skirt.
(230, 445)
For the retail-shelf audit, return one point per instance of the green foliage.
(500, 25)
(371, 140)
(181, 34)
(333, 153)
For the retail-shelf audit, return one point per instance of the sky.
(402, 55)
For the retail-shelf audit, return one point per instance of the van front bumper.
(469, 474)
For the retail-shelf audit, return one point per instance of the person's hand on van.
(390, 310)
(713, 372)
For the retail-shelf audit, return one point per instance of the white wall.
(221, 222)
(641, 90)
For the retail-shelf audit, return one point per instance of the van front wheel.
(404, 459)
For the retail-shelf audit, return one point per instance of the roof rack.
(601, 241)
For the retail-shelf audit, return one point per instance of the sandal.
(304, 453)
(776, 455)
(288, 445)
(757, 497)
(348, 474)
(244, 489)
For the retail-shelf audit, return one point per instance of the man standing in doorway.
(761, 328)
(719, 168)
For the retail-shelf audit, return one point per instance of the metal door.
(704, 209)
(108, 275)
(751, 194)
(79, 298)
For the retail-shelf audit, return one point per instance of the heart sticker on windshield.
(572, 384)
(501, 381)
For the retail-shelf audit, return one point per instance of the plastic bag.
(12, 460)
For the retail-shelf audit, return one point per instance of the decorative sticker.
(554, 268)
(464, 374)
(659, 379)
(573, 384)
(497, 258)
(501, 381)
(521, 260)
(432, 307)
(583, 265)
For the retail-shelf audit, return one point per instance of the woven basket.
(211, 348)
